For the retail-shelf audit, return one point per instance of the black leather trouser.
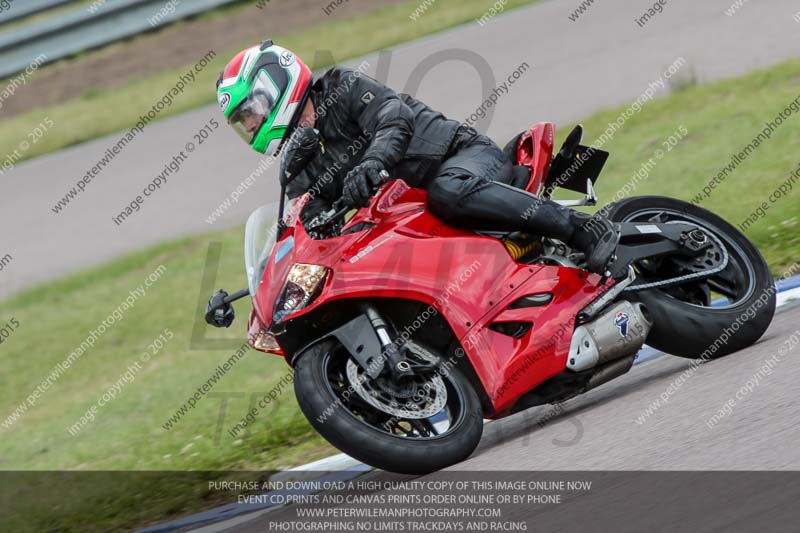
(472, 190)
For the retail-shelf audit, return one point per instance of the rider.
(344, 128)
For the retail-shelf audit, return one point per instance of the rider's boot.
(504, 207)
(597, 238)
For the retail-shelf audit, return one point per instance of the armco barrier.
(79, 29)
(18, 9)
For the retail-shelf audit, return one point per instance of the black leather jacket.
(359, 118)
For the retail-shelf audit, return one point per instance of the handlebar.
(340, 207)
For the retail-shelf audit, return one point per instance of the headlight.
(301, 287)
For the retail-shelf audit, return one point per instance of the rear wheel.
(415, 427)
(711, 317)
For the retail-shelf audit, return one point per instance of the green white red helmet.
(262, 91)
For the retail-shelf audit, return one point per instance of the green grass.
(127, 433)
(106, 111)
(55, 317)
(721, 119)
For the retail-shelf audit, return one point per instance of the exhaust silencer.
(616, 333)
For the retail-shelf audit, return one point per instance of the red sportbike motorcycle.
(406, 333)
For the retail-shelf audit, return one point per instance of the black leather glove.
(360, 183)
(300, 148)
(218, 313)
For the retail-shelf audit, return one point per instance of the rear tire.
(694, 331)
(370, 445)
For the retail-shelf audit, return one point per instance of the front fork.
(398, 365)
(368, 340)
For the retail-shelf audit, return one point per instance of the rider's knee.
(440, 199)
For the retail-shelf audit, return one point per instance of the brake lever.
(340, 208)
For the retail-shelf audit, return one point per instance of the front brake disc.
(431, 395)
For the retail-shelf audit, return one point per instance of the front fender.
(360, 340)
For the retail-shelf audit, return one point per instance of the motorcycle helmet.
(262, 92)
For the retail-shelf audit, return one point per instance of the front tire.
(685, 324)
(348, 429)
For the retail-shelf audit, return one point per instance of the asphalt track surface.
(602, 60)
(599, 432)
(602, 431)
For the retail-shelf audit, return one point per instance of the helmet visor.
(250, 115)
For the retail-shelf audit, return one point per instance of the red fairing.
(535, 149)
(470, 279)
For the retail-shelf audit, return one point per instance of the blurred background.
(101, 332)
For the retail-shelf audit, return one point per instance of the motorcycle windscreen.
(260, 235)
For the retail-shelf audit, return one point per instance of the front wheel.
(711, 317)
(415, 427)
